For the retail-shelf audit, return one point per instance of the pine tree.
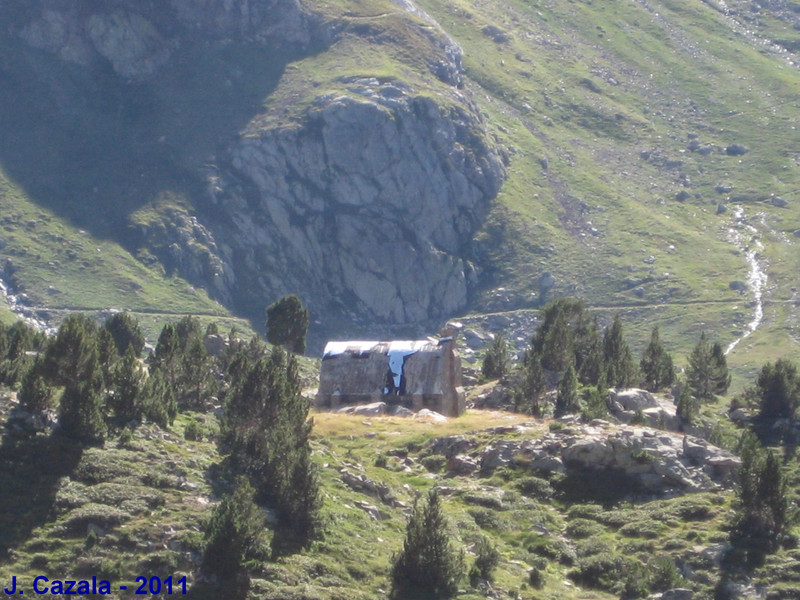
(656, 365)
(590, 356)
(687, 408)
(127, 388)
(158, 400)
(495, 362)
(196, 383)
(287, 324)
(234, 533)
(708, 371)
(721, 379)
(620, 369)
(81, 412)
(266, 430)
(72, 358)
(778, 390)
(567, 398)
(531, 386)
(34, 394)
(427, 568)
(124, 329)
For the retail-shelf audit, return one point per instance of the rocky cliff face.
(369, 206)
(365, 205)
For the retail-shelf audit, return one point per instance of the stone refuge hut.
(415, 374)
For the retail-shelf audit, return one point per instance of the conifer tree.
(124, 329)
(567, 398)
(81, 412)
(127, 388)
(656, 365)
(158, 400)
(590, 356)
(166, 357)
(720, 376)
(196, 382)
(34, 394)
(428, 567)
(531, 385)
(620, 369)
(234, 533)
(287, 324)
(266, 430)
(708, 371)
(778, 390)
(687, 408)
(72, 357)
(495, 362)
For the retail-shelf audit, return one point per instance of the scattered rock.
(451, 445)
(430, 416)
(365, 485)
(462, 465)
(495, 397)
(779, 202)
(366, 410)
(796, 233)
(721, 208)
(634, 399)
(682, 196)
(723, 188)
(400, 411)
(736, 150)
(373, 511)
(498, 35)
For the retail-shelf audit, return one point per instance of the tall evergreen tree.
(234, 533)
(126, 395)
(531, 385)
(266, 430)
(196, 381)
(687, 408)
(708, 371)
(124, 329)
(428, 567)
(567, 398)
(719, 365)
(778, 390)
(34, 394)
(495, 362)
(72, 357)
(81, 412)
(287, 324)
(590, 356)
(656, 365)
(620, 368)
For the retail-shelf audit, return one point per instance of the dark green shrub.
(535, 487)
(486, 559)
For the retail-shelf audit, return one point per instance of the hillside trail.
(746, 238)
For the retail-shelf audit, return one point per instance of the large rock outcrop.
(367, 208)
(658, 461)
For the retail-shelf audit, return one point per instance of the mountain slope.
(396, 163)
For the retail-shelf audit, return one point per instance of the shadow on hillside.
(30, 470)
(93, 147)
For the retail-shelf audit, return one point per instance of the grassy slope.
(588, 86)
(62, 270)
(151, 498)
